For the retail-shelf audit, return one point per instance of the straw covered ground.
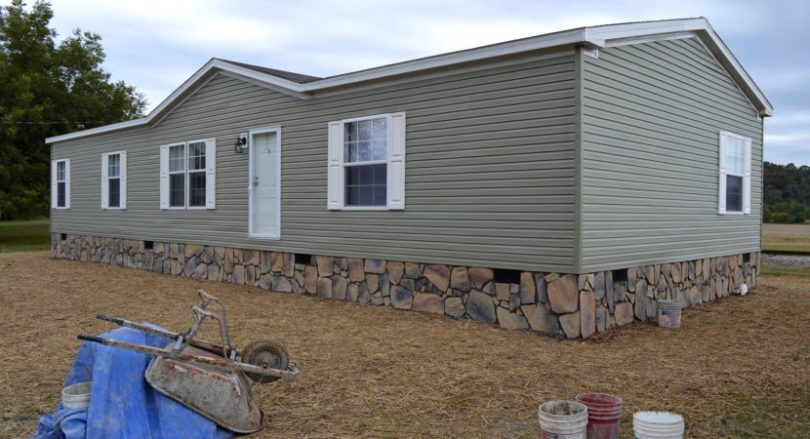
(737, 368)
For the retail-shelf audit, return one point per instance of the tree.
(787, 193)
(48, 88)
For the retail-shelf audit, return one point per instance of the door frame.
(251, 133)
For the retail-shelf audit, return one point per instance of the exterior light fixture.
(241, 144)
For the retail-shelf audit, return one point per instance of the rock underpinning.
(562, 305)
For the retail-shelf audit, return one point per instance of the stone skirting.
(565, 305)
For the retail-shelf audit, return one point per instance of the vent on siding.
(746, 258)
(303, 258)
(63, 236)
(148, 245)
(506, 276)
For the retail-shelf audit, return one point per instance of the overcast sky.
(156, 45)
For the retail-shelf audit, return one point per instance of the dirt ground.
(737, 368)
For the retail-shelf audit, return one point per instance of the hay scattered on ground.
(738, 368)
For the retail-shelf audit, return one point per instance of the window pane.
(363, 151)
(350, 152)
(177, 190)
(364, 129)
(196, 155)
(196, 189)
(366, 185)
(113, 165)
(60, 171)
(734, 186)
(378, 148)
(735, 155)
(379, 129)
(60, 194)
(350, 132)
(114, 198)
(177, 158)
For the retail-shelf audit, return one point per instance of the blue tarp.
(122, 404)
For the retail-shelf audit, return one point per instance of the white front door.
(265, 183)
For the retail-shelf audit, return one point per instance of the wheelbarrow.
(207, 377)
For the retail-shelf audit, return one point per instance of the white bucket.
(76, 396)
(658, 425)
(563, 420)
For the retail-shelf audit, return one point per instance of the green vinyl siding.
(651, 118)
(489, 169)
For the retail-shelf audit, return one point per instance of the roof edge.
(593, 36)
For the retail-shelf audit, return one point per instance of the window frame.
(395, 157)
(724, 173)
(185, 176)
(203, 171)
(346, 164)
(65, 180)
(121, 185)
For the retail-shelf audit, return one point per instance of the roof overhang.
(594, 37)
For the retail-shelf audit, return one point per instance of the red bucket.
(604, 414)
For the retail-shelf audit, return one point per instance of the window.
(114, 180)
(364, 161)
(196, 174)
(177, 175)
(187, 175)
(60, 184)
(367, 163)
(735, 174)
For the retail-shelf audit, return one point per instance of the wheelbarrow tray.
(220, 395)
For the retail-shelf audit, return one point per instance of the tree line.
(786, 193)
(48, 86)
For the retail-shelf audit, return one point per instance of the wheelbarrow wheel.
(268, 354)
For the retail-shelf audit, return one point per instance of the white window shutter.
(105, 184)
(335, 177)
(54, 195)
(164, 176)
(123, 176)
(210, 173)
(721, 206)
(396, 161)
(747, 179)
(67, 184)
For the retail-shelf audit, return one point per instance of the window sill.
(265, 237)
(732, 213)
(364, 209)
(60, 208)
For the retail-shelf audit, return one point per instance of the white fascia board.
(592, 37)
(606, 36)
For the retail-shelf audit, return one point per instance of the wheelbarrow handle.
(218, 363)
(202, 344)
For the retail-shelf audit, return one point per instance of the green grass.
(21, 236)
(793, 238)
(779, 271)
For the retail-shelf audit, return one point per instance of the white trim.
(650, 38)
(394, 161)
(592, 37)
(745, 207)
(55, 184)
(122, 180)
(169, 174)
(273, 129)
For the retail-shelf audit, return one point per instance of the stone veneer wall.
(565, 305)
